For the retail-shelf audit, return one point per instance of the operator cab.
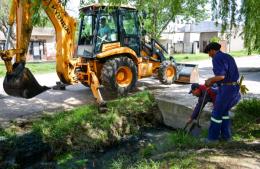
(103, 28)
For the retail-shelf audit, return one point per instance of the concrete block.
(176, 112)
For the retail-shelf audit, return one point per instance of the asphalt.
(12, 108)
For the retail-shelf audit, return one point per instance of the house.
(193, 37)
(42, 46)
(2, 41)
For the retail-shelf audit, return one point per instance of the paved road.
(12, 108)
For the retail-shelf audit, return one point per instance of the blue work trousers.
(220, 126)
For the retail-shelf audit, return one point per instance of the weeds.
(125, 163)
(74, 132)
(181, 139)
(85, 128)
(171, 160)
(70, 160)
(246, 122)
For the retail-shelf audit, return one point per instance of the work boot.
(227, 140)
(207, 141)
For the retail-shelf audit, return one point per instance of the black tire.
(163, 76)
(110, 71)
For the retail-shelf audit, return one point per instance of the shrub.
(247, 119)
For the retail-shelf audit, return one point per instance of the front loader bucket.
(22, 83)
(187, 73)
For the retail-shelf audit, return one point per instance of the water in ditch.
(128, 149)
(31, 152)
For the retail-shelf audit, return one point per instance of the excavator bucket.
(22, 83)
(187, 73)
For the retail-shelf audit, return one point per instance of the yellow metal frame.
(65, 27)
(120, 51)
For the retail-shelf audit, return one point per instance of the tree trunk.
(4, 30)
(154, 23)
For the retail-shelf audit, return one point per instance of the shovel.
(195, 129)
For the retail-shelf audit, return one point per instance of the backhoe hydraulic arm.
(19, 81)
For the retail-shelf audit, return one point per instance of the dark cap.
(213, 45)
(193, 87)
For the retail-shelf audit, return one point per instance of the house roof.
(37, 31)
(46, 31)
(100, 5)
(204, 26)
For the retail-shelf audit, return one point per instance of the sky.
(73, 8)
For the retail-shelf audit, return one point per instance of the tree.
(39, 18)
(160, 13)
(246, 15)
(5, 5)
(215, 39)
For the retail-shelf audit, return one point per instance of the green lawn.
(36, 68)
(202, 56)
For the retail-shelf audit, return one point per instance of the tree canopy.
(160, 13)
(230, 13)
(245, 15)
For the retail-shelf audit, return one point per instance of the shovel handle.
(186, 125)
(201, 107)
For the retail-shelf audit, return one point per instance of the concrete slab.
(176, 113)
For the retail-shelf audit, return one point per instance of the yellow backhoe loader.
(109, 52)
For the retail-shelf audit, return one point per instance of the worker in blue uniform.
(226, 77)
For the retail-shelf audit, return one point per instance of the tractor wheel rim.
(124, 76)
(170, 72)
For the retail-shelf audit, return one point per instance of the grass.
(178, 149)
(73, 133)
(190, 57)
(169, 160)
(246, 122)
(202, 56)
(175, 150)
(84, 127)
(124, 162)
(36, 68)
(71, 160)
